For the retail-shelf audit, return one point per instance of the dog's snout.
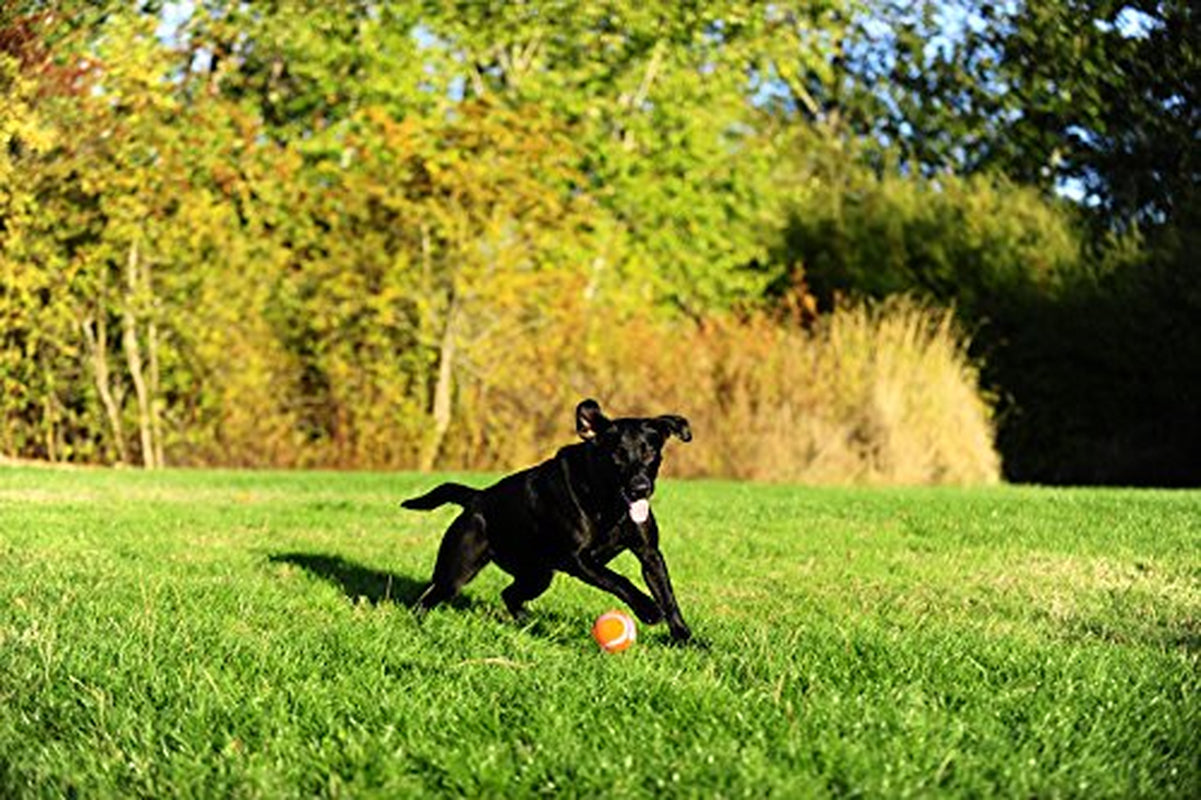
(640, 486)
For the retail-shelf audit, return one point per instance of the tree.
(42, 413)
(306, 68)
(676, 145)
(1099, 98)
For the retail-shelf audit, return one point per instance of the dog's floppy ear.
(590, 420)
(674, 425)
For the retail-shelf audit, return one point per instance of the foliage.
(1105, 374)
(1091, 352)
(360, 233)
(316, 238)
(1098, 95)
(971, 242)
(246, 634)
(671, 147)
(863, 397)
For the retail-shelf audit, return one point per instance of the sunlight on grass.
(212, 633)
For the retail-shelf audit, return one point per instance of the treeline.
(414, 234)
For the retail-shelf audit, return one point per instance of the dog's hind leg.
(525, 587)
(462, 554)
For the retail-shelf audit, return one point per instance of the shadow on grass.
(1182, 635)
(358, 582)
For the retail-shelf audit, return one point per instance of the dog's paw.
(680, 633)
(516, 608)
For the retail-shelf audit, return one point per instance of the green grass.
(244, 634)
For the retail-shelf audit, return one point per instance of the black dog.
(573, 513)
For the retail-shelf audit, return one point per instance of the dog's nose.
(640, 486)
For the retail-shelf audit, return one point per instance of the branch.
(648, 77)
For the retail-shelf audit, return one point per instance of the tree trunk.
(95, 339)
(133, 357)
(443, 389)
(156, 401)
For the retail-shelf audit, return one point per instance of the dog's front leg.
(654, 572)
(587, 570)
(644, 538)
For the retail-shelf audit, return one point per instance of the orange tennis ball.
(614, 631)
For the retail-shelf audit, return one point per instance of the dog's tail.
(455, 493)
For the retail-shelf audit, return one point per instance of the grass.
(245, 634)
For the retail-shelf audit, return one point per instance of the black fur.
(570, 514)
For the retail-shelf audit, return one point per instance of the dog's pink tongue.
(640, 510)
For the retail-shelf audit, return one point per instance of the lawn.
(246, 634)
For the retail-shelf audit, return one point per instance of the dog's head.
(630, 449)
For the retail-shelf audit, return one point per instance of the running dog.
(572, 513)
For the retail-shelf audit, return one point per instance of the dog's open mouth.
(640, 510)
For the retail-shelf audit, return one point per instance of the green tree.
(1097, 370)
(305, 68)
(435, 252)
(1101, 96)
(40, 398)
(662, 100)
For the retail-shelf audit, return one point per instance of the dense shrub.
(973, 242)
(184, 281)
(868, 395)
(1104, 375)
(1093, 353)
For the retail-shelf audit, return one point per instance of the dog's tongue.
(640, 510)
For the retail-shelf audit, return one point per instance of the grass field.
(245, 634)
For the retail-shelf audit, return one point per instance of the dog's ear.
(674, 425)
(590, 421)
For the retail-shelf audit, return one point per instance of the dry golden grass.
(869, 396)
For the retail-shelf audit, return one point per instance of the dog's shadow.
(364, 584)
(360, 583)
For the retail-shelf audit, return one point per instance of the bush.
(1105, 373)
(973, 242)
(870, 395)
(1092, 354)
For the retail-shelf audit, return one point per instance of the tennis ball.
(614, 631)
